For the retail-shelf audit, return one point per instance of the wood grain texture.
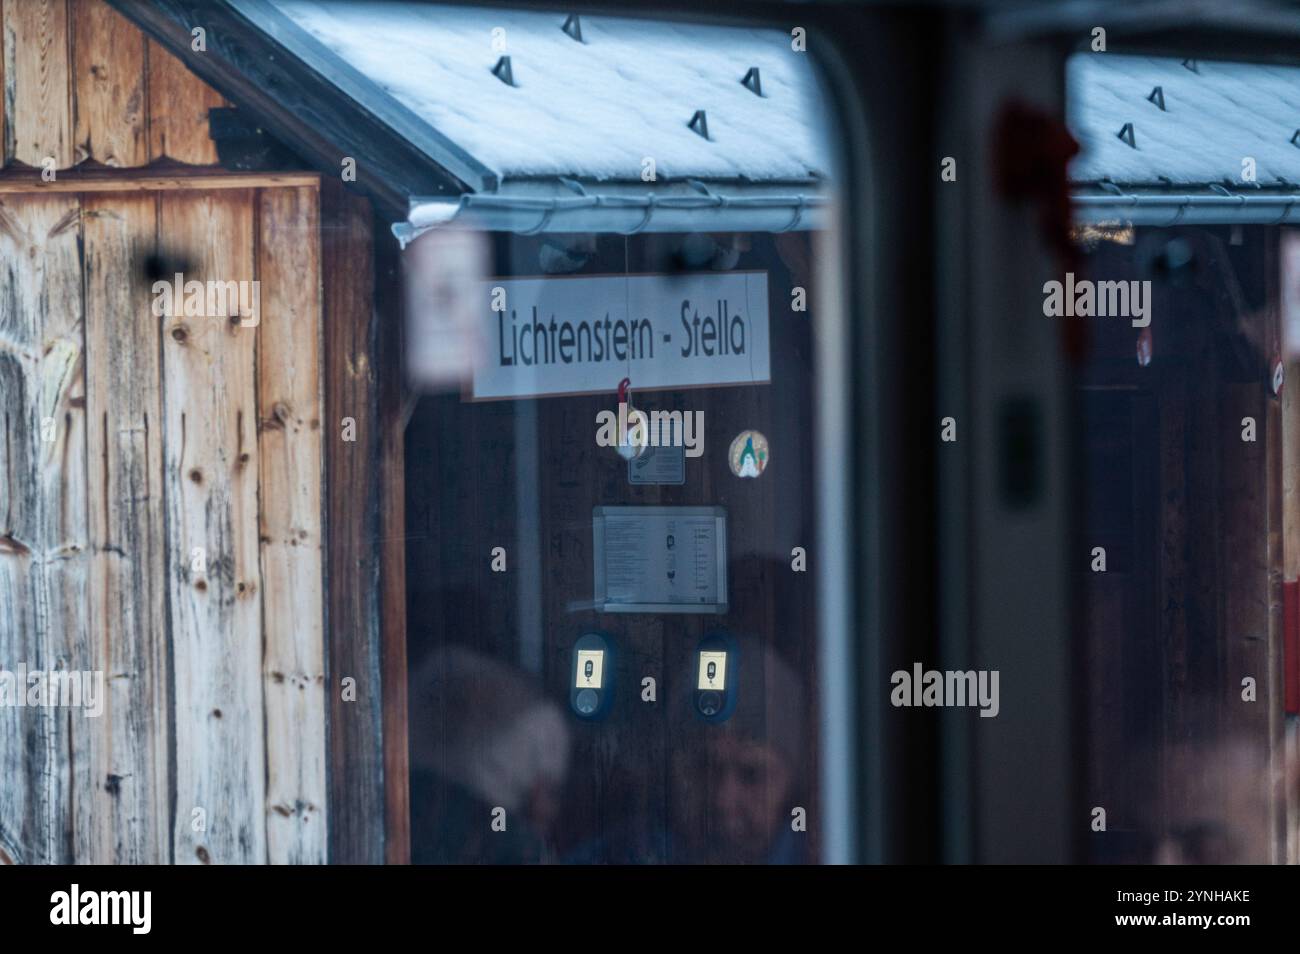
(1245, 610)
(1244, 595)
(1291, 471)
(1275, 738)
(1282, 787)
(26, 182)
(289, 442)
(5, 141)
(356, 781)
(110, 103)
(178, 111)
(101, 510)
(122, 815)
(43, 536)
(397, 769)
(1291, 565)
(38, 93)
(292, 102)
(211, 468)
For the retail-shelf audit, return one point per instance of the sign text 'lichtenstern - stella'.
(584, 334)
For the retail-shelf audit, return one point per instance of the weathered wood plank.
(397, 768)
(1291, 566)
(4, 95)
(178, 111)
(1275, 739)
(1291, 472)
(211, 468)
(38, 94)
(1245, 599)
(149, 181)
(294, 103)
(1288, 277)
(43, 536)
(356, 780)
(289, 442)
(110, 105)
(122, 814)
(1281, 787)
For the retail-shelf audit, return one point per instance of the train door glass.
(613, 518)
(1184, 428)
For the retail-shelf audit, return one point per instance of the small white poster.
(664, 464)
(584, 334)
(660, 559)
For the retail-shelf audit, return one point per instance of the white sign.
(583, 335)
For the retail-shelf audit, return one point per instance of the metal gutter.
(567, 206)
(1219, 207)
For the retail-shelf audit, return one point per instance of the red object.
(1032, 149)
(1291, 645)
(1031, 163)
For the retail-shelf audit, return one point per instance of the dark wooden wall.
(1190, 516)
(627, 773)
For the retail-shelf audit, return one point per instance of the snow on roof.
(594, 109)
(1214, 116)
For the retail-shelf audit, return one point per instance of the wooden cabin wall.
(161, 521)
(84, 87)
(1190, 516)
(179, 436)
(469, 464)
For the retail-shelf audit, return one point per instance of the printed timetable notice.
(660, 559)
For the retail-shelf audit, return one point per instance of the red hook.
(622, 390)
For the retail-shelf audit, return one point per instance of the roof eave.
(290, 97)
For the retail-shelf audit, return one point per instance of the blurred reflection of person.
(1189, 790)
(735, 783)
(482, 737)
(1221, 807)
(732, 784)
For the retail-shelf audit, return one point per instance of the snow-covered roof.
(1215, 115)
(594, 109)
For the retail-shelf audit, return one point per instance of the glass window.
(612, 497)
(1187, 438)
